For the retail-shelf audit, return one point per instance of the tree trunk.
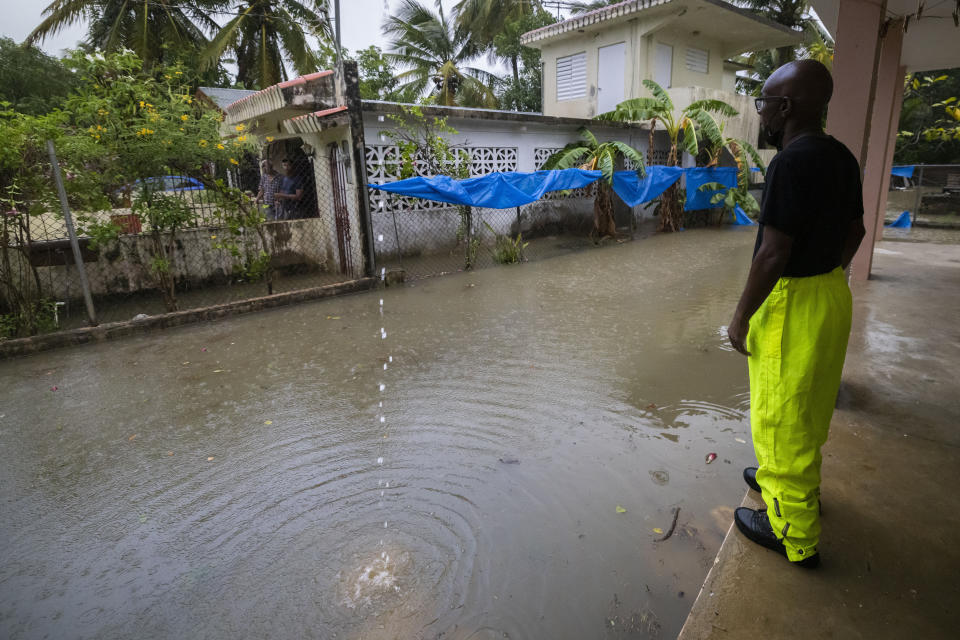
(516, 70)
(603, 220)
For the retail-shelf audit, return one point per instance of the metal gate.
(338, 178)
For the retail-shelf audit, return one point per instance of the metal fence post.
(72, 232)
(916, 207)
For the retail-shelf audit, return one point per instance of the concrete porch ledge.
(891, 490)
(107, 331)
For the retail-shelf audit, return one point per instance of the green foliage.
(687, 131)
(41, 317)
(507, 250)
(30, 80)
(520, 91)
(244, 238)
(433, 56)
(929, 128)
(589, 153)
(154, 30)
(264, 34)
(142, 126)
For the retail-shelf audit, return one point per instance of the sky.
(361, 23)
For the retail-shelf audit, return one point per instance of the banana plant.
(681, 128)
(589, 153)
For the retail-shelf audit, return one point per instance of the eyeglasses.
(760, 103)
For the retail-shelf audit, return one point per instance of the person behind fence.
(793, 318)
(269, 181)
(290, 192)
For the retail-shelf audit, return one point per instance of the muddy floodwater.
(541, 424)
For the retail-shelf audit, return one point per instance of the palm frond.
(566, 158)
(713, 106)
(659, 93)
(629, 152)
(587, 136)
(690, 144)
(709, 128)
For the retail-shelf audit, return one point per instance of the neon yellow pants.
(798, 341)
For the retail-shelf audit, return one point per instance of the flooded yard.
(540, 426)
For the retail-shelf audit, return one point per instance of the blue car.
(166, 183)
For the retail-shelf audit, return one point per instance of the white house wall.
(495, 144)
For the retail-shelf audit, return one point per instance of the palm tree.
(145, 27)
(591, 154)
(585, 7)
(431, 49)
(484, 20)
(265, 33)
(681, 129)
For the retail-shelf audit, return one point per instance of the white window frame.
(571, 76)
(697, 59)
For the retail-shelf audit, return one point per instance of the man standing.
(793, 318)
(268, 188)
(290, 192)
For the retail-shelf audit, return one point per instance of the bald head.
(808, 85)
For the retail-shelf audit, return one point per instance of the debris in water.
(210, 459)
(657, 530)
(651, 406)
(509, 460)
(203, 348)
(673, 525)
(333, 317)
(132, 437)
(268, 422)
(621, 509)
(711, 457)
(169, 453)
(741, 440)
(53, 388)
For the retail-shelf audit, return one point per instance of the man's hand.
(737, 332)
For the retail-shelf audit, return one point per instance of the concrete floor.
(891, 489)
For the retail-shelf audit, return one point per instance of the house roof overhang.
(932, 42)
(299, 96)
(737, 29)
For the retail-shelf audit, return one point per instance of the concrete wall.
(497, 141)
(124, 267)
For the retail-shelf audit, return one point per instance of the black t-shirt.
(812, 193)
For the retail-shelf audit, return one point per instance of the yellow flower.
(269, 138)
(184, 117)
(240, 127)
(181, 128)
(168, 77)
(220, 146)
(233, 161)
(242, 138)
(178, 73)
(213, 237)
(142, 104)
(202, 143)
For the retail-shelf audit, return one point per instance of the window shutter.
(697, 59)
(572, 77)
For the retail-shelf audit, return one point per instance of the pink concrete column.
(876, 172)
(891, 147)
(855, 63)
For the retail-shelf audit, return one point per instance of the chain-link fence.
(303, 232)
(420, 238)
(931, 196)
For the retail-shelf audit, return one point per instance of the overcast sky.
(361, 23)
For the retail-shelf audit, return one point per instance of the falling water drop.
(382, 386)
(382, 419)
(384, 524)
(390, 358)
(384, 366)
(380, 239)
(380, 460)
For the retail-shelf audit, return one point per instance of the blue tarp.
(698, 176)
(903, 171)
(740, 217)
(902, 221)
(634, 190)
(494, 190)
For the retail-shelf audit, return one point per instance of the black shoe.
(755, 525)
(750, 477)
